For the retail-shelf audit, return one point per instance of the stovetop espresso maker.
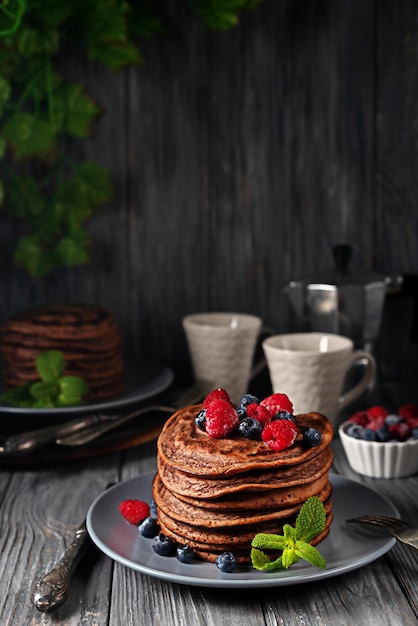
(341, 301)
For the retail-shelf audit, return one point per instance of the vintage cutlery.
(34, 439)
(191, 396)
(54, 588)
(403, 531)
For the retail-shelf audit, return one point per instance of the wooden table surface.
(41, 508)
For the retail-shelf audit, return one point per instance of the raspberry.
(400, 431)
(221, 419)
(280, 434)
(216, 394)
(134, 511)
(377, 411)
(259, 413)
(376, 423)
(360, 418)
(408, 411)
(277, 402)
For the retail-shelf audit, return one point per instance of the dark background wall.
(238, 160)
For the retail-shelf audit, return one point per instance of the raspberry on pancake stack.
(86, 335)
(220, 482)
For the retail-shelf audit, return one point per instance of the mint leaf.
(310, 553)
(43, 389)
(311, 519)
(50, 365)
(269, 541)
(18, 396)
(73, 386)
(294, 543)
(261, 561)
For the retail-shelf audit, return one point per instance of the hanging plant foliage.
(39, 108)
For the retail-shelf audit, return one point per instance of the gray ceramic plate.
(347, 547)
(143, 381)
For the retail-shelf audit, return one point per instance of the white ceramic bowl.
(390, 459)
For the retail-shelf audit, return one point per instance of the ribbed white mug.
(311, 369)
(222, 347)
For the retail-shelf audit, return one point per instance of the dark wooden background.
(238, 160)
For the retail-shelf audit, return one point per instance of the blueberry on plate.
(354, 430)
(164, 546)
(311, 438)
(226, 562)
(250, 428)
(149, 527)
(185, 554)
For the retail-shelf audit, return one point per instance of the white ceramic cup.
(222, 347)
(311, 368)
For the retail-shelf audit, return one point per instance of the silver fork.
(193, 395)
(403, 531)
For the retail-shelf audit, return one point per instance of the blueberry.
(284, 415)
(368, 434)
(250, 428)
(311, 438)
(226, 562)
(200, 420)
(382, 434)
(241, 412)
(185, 554)
(247, 399)
(149, 527)
(354, 430)
(164, 546)
(392, 419)
(415, 433)
(153, 509)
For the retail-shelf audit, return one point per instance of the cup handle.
(258, 367)
(368, 377)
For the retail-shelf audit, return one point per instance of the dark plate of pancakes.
(143, 380)
(345, 549)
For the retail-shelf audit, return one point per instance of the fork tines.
(386, 521)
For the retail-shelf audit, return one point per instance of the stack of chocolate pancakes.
(216, 494)
(86, 335)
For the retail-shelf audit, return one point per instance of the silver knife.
(54, 588)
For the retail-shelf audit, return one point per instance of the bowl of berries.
(382, 444)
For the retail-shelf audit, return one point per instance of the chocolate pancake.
(237, 540)
(186, 448)
(87, 336)
(265, 499)
(62, 321)
(223, 517)
(185, 484)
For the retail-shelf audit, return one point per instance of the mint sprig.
(52, 390)
(294, 543)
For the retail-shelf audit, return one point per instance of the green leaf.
(73, 386)
(18, 396)
(72, 251)
(29, 135)
(5, 91)
(311, 519)
(44, 389)
(24, 198)
(90, 186)
(116, 56)
(31, 255)
(73, 110)
(50, 365)
(268, 541)
(64, 400)
(30, 41)
(2, 147)
(310, 553)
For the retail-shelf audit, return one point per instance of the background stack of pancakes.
(216, 494)
(87, 336)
